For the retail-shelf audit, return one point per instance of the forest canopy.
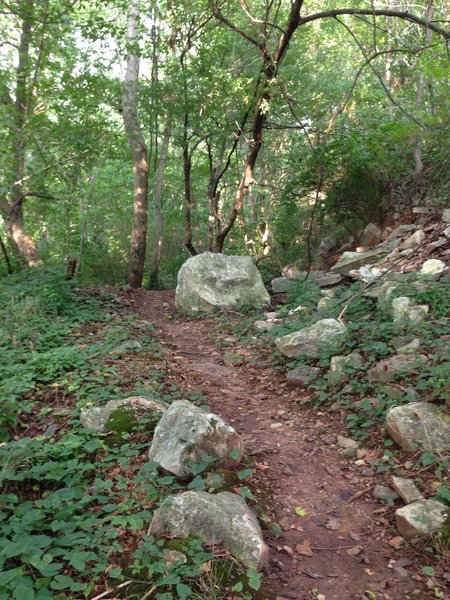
(137, 133)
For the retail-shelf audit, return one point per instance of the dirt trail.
(339, 549)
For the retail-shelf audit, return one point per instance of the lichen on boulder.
(211, 281)
(120, 416)
(219, 518)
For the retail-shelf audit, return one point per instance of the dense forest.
(137, 133)
(220, 441)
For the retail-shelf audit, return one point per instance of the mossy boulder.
(123, 416)
(327, 336)
(219, 518)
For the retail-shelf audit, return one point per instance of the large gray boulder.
(210, 281)
(349, 261)
(325, 336)
(419, 425)
(219, 518)
(122, 415)
(187, 434)
(394, 366)
(323, 279)
(422, 517)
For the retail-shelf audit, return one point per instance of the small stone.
(263, 325)
(406, 489)
(422, 517)
(446, 232)
(410, 348)
(396, 542)
(432, 267)
(301, 376)
(402, 572)
(367, 472)
(345, 442)
(446, 215)
(384, 493)
(414, 240)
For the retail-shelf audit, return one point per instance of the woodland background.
(261, 126)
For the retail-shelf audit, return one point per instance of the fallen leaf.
(276, 425)
(369, 572)
(301, 512)
(288, 550)
(354, 536)
(396, 542)
(305, 548)
(355, 550)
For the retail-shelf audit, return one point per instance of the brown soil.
(339, 549)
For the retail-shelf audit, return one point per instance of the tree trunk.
(270, 65)
(12, 211)
(138, 150)
(6, 257)
(421, 83)
(159, 221)
(187, 165)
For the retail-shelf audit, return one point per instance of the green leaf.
(301, 512)
(254, 579)
(24, 592)
(238, 587)
(183, 591)
(244, 473)
(429, 571)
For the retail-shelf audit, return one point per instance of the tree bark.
(159, 220)
(421, 83)
(138, 149)
(6, 257)
(12, 210)
(271, 63)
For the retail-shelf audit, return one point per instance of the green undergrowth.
(373, 333)
(74, 507)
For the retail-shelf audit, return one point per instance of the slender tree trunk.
(421, 83)
(12, 211)
(187, 165)
(159, 220)
(6, 257)
(270, 65)
(138, 150)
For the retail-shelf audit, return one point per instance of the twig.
(119, 587)
(359, 494)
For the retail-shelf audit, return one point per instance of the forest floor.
(337, 542)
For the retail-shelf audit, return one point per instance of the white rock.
(406, 489)
(327, 335)
(340, 363)
(263, 325)
(186, 434)
(219, 518)
(419, 426)
(414, 240)
(446, 215)
(211, 281)
(432, 267)
(422, 517)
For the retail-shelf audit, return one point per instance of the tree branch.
(406, 16)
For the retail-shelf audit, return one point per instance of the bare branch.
(221, 17)
(406, 16)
